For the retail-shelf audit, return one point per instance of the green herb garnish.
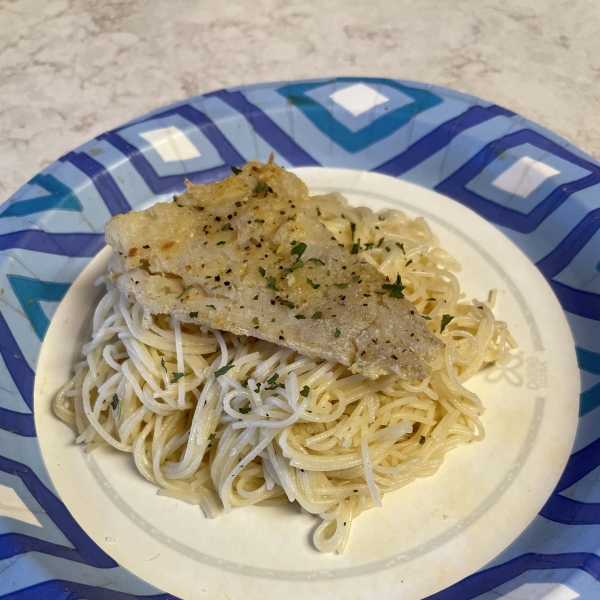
(223, 370)
(235, 170)
(176, 377)
(185, 291)
(408, 263)
(193, 315)
(287, 303)
(445, 321)
(395, 288)
(255, 320)
(261, 271)
(318, 212)
(356, 247)
(260, 221)
(212, 436)
(261, 187)
(245, 410)
(211, 306)
(352, 229)
(313, 284)
(221, 243)
(317, 315)
(226, 227)
(342, 286)
(337, 333)
(199, 207)
(271, 284)
(401, 246)
(298, 250)
(305, 391)
(426, 317)
(162, 364)
(317, 261)
(300, 317)
(255, 297)
(356, 278)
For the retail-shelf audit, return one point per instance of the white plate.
(429, 534)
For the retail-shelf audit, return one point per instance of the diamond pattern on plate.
(358, 99)
(171, 144)
(524, 176)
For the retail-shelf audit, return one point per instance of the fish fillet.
(249, 255)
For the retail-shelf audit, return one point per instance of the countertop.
(70, 70)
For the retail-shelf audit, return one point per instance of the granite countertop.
(72, 70)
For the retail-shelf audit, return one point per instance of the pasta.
(226, 421)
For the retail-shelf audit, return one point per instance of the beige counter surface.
(72, 70)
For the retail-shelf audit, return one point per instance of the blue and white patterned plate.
(537, 189)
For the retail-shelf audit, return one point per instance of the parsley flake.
(245, 410)
(300, 317)
(261, 187)
(212, 436)
(305, 391)
(395, 288)
(317, 315)
(211, 306)
(193, 315)
(431, 300)
(255, 320)
(115, 401)
(353, 230)
(255, 297)
(261, 271)
(356, 278)
(287, 303)
(185, 291)
(388, 249)
(298, 250)
(271, 284)
(337, 333)
(260, 221)
(426, 317)
(313, 284)
(445, 321)
(408, 263)
(221, 243)
(162, 364)
(227, 227)
(317, 261)
(356, 248)
(273, 379)
(223, 370)
(235, 170)
(199, 207)
(318, 212)
(342, 286)
(401, 246)
(176, 377)
(380, 242)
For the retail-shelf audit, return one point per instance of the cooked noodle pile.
(277, 426)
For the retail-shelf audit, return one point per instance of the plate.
(536, 189)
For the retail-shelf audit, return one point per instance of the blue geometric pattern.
(540, 191)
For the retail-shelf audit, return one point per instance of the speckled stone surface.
(70, 70)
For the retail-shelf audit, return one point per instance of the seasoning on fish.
(249, 255)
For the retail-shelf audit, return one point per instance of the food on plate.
(234, 356)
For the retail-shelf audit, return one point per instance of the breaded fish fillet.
(249, 255)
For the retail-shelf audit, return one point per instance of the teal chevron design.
(30, 292)
(590, 362)
(298, 94)
(61, 198)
